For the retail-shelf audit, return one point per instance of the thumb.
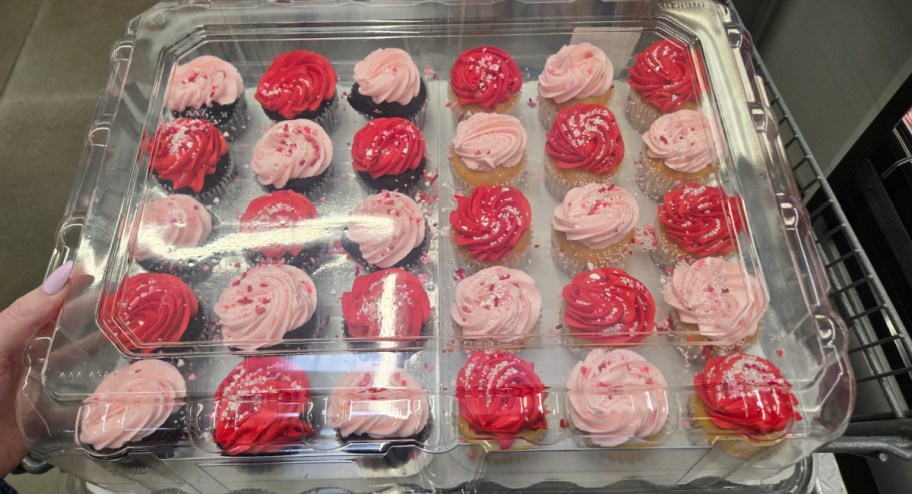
(33, 310)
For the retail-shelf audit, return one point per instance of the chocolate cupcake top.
(204, 81)
(296, 82)
(387, 227)
(173, 222)
(389, 304)
(379, 403)
(291, 150)
(387, 146)
(153, 308)
(388, 75)
(276, 222)
(186, 150)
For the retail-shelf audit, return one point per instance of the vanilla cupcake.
(489, 149)
(496, 305)
(485, 79)
(293, 154)
(677, 149)
(594, 226)
(382, 403)
(576, 74)
(661, 81)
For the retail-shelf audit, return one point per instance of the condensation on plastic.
(799, 333)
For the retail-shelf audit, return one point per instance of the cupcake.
(743, 400)
(134, 407)
(262, 407)
(485, 79)
(299, 84)
(575, 74)
(696, 221)
(207, 87)
(264, 304)
(386, 230)
(294, 154)
(497, 306)
(387, 84)
(677, 149)
(715, 301)
(594, 226)
(583, 146)
(617, 397)
(661, 81)
(169, 236)
(389, 154)
(277, 226)
(492, 225)
(383, 403)
(489, 149)
(389, 304)
(501, 400)
(150, 311)
(190, 156)
(608, 307)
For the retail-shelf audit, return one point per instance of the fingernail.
(54, 283)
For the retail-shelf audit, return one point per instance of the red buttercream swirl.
(390, 303)
(608, 306)
(185, 150)
(586, 137)
(259, 407)
(485, 76)
(694, 217)
(662, 75)
(153, 308)
(271, 213)
(500, 394)
(746, 394)
(387, 146)
(491, 221)
(296, 82)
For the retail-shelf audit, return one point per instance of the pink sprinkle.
(779, 352)
(191, 377)
(531, 104)
(459, 274)
(429, 71)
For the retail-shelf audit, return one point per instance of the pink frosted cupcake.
(489, 149)
(293, 154)
(496, 305)
(576, 74)
(207, 87)
(170, 234)
(383, 403)
(677, 149)
(386, 230)
(594, 226)
(388, 84)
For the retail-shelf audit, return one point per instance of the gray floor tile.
(15, 23)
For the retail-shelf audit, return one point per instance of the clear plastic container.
(190, 436)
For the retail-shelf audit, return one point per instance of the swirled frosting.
(608, 306)
(203, 81)
(380, 403)
(260, 407)
(576, 72)
(289, 150)
(176, 221)
(694, 217)
(263, 304)
(387, 227)
(387, 146)
(296, 82)
(586, 137)
(719, 297)
(390, 303)
(154, 308)
(746, 394)
(486, 141)
(272, 213)
(616, 395)
(500, 394)
(661, 73)
(597, 215)
(490, 222)
(185, 150)
(485, 76)
(497, 303)
(130, 404)
(681, 140)
(388, 75)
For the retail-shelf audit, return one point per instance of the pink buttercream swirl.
(264, 303)
(486, 141)
(682, 140)
(289, 150)
(380, 403)
(597, 215)
(387, 227)
(576, 72)
(388, 75)
(616, 396)
(173, 222)
(497, 303)
(719, 297)
(130, 404)
(203, 81)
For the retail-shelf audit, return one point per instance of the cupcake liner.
(406, 183)
(507, 107)
(467, 179)
(326, 115)
(548, 108)
(666, 254)
(380, 343)
(414, 110)
(307, 259)
(559, 181)
(572, 257)
(641, 114)
(410, 260)
(214, 185)
(655, 179)
(420, 438)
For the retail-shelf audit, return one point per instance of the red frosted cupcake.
(583, 146)
(661, 81)
(278, 227)
(390, 304)
(607, 306)
(492, 225)
(501, 399)
(389, 154)
(299, 84)
(190, 156)
(485, 79)
(261, 407)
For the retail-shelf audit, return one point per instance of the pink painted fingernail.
(54, 283)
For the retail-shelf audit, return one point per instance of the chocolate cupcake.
(387, 305)
(278, 227)
(389, 154)
(294, 154)
(388, 84)
(210, 88)
(170, 237)
(190, 156)
(300, 84)
(380, 403)
(385, 230)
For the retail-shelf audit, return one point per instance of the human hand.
(32, 312)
